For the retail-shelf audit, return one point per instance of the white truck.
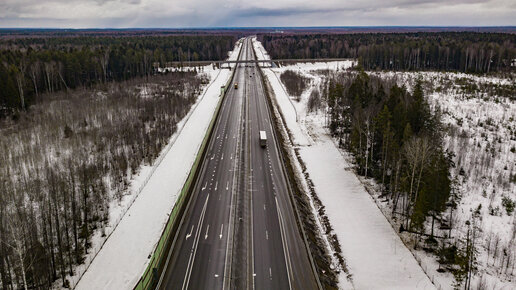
(263, 138)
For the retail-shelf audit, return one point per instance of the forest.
(31, 66)
(396, 139)
(64, 162)
(469, 52)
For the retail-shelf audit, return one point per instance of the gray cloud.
(206, 13)
(263, 12)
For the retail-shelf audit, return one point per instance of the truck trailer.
(263, 139)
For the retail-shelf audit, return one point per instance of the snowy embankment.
(136, 223)
(261, 53)
(375, 255)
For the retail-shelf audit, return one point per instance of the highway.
(239, 230)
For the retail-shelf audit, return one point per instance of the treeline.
(65, 160)
(451, 51)
(396, 139)
(32, 66)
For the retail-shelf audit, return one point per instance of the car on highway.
(236, 86)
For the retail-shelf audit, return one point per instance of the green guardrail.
(151, 275)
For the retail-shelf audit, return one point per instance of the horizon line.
(255, 27)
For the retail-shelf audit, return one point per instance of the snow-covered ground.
(375, 255)
(135, 226)
(482, 135)
(261, 53)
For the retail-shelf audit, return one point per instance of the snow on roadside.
(374, 253)
(261, 53)
(288, 110)
(482, 135)
(138, 221)
(233, 55)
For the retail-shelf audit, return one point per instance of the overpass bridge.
(268, 63)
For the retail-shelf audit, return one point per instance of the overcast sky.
(223, 13)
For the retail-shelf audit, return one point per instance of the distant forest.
(32, 66)
(469, 52)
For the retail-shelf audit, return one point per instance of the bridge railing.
(255, 61)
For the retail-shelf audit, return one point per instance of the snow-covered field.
(482, 135)
(118, 260)
(375, 256)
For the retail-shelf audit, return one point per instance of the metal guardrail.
(151, 276)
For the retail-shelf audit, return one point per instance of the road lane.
(284, 250)
(242, 190)
(198, 259)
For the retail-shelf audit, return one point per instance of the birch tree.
(16, 236)
(20, 81)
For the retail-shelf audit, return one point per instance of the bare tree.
(147, 54)
(104, 61)
(410, 150)
(49, 74)
(418, 151)
(59, 70)
(35, 70)
(20, 81)
(16, 237)
(425, 150)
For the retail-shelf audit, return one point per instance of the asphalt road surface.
(239, 230)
